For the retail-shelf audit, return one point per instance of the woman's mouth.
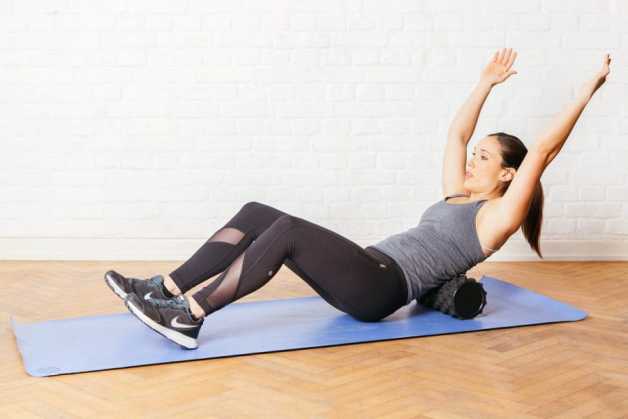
(468, 174)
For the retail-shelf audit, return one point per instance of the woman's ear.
(509, 174)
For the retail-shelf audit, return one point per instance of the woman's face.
(484, 171)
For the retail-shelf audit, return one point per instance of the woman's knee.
(261, 210)
(251, 205)
(287, 220)
(284, 224)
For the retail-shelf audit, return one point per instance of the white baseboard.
(562, 250)
(182, 249)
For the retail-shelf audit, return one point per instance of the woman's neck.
(481, 195)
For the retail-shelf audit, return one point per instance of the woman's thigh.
(339, 270)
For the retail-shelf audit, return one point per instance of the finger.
(606, 64)
(495, 56)
(504, 56)
(500, 56)
(507, 55)
(510, 73)
(512, 59)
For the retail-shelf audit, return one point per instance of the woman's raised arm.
(463, 125)
(515, 203)
(553, 139)
(495, 72)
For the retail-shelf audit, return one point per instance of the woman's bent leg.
(221, 249)
(338, 269)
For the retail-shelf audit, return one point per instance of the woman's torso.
(447, 241)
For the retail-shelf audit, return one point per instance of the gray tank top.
(443, 245)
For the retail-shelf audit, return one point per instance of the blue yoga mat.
(94, 343)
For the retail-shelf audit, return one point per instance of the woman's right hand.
(498, 69)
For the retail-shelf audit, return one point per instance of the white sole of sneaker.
(181, 339)
(115, 287)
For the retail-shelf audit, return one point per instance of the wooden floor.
(562, 370)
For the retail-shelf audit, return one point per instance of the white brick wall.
(133, 130)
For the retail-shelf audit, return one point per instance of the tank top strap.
(455, 195)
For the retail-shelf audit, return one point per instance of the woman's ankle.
(171, 286)
(196, 309)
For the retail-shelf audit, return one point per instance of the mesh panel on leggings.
(223, 290)
(227, 235)
(213, 257)
(225, 245)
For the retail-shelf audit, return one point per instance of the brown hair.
(513, 152)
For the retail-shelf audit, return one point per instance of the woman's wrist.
(484, 84)
(589, 88)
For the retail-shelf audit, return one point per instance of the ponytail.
(531, 227)
(513, 152)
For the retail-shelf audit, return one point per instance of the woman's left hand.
(598, 80)
(601, 75)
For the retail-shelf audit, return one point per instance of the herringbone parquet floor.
(562, 370)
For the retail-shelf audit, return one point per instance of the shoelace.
(175, 302)
(155, 280)
(152, 278)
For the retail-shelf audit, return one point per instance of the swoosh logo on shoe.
(175, 323)
(147, 296)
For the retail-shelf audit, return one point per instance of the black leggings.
(259, 239)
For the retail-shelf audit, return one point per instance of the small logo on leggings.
(270, 273)
(381, 265)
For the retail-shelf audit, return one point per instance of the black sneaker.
(144, 288)
(170, 318)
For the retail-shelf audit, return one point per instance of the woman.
(371, 283)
